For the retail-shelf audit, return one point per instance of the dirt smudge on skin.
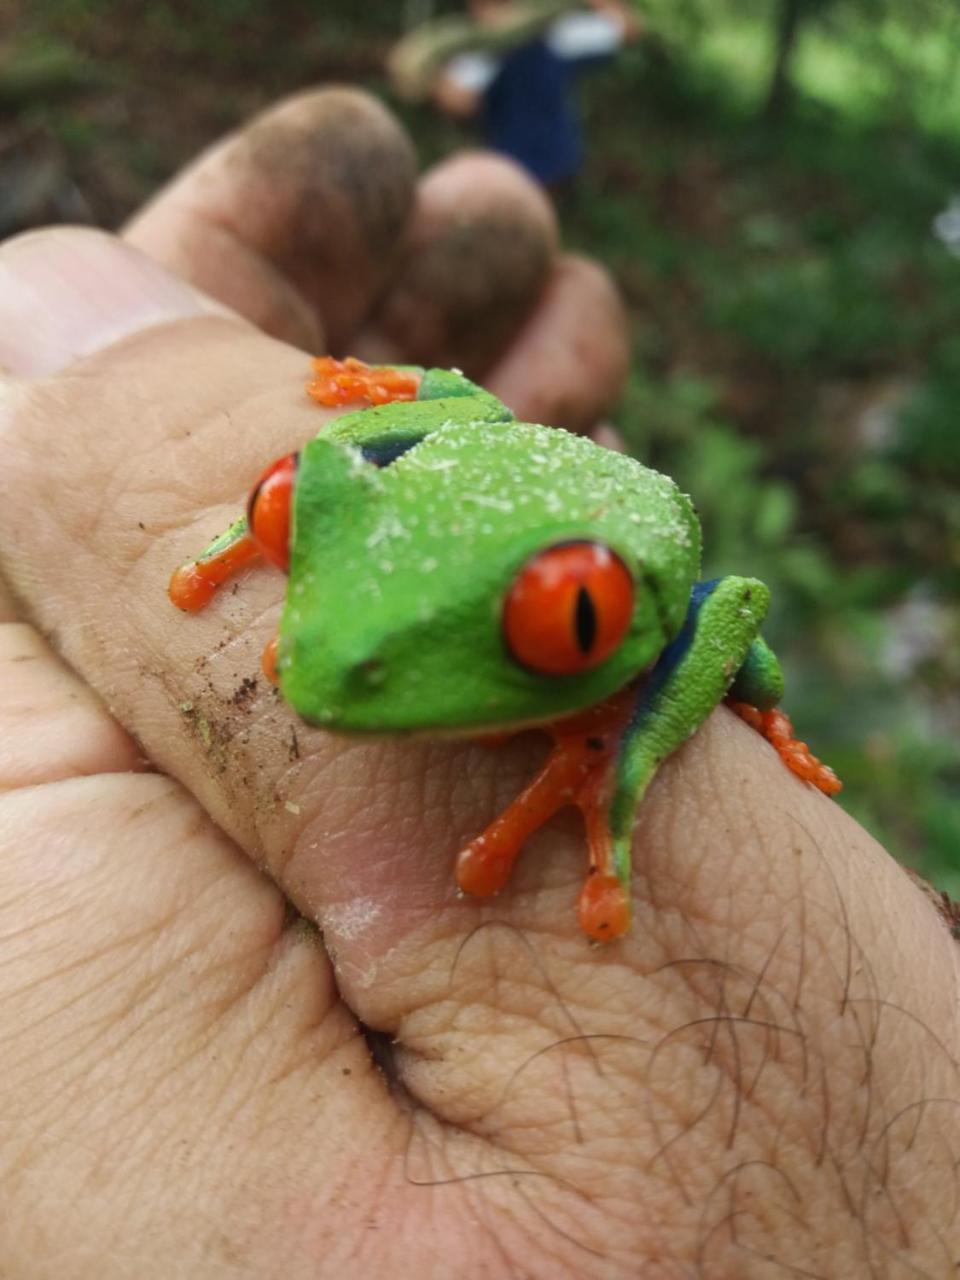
(245, 692)
(213, 734)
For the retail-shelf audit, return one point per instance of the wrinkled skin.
(760, 1081)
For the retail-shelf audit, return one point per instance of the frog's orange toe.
(268, 661)
(775, 726)
(604, 908)
(484, 866)
(350, 381)
(189, 589)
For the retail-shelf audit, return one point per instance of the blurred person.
(524, 96)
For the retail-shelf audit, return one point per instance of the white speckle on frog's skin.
(350, 920)
(439, 464)
(389, 527)
(485, 500)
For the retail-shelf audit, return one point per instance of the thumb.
(68, 292)
(641, 1078)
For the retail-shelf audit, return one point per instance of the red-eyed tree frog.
(452, 570)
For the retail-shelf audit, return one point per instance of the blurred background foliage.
(775, 184)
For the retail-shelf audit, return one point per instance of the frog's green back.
(399, 574)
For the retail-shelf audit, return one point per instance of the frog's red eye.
(569, 608)
(268, 510)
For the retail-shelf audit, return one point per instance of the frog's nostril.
(370, 673)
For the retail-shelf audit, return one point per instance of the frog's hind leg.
(484, 865)
(754, 695)
(759, 681)
(574, 773)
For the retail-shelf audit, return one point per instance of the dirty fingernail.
(68, 292)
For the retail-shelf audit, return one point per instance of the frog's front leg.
(573, 773)
(693, 674)
(263, 531)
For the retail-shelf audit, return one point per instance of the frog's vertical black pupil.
(585, 620)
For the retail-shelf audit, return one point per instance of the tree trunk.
(788, 28)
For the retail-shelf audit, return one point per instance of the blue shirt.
(528, 113)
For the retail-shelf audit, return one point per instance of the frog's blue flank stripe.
(673, 654)
(382, 452)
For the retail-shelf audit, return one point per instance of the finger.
(294, 220)
(298, 219)
(478, 253)
(51, 724)
(605, 434)
(568, 365)
(763, 917)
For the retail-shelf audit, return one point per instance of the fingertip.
(295, 218)
(481, 245)
(489, 179)
(607, 436)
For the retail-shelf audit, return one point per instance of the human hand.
(454, 98)
(624, 13)
(760, 1080)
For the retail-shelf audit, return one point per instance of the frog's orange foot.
(575, 772)
(484, 866)
(350, 381)
(268, 661)
(775, 726)
(192, 586)
(604, 907)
